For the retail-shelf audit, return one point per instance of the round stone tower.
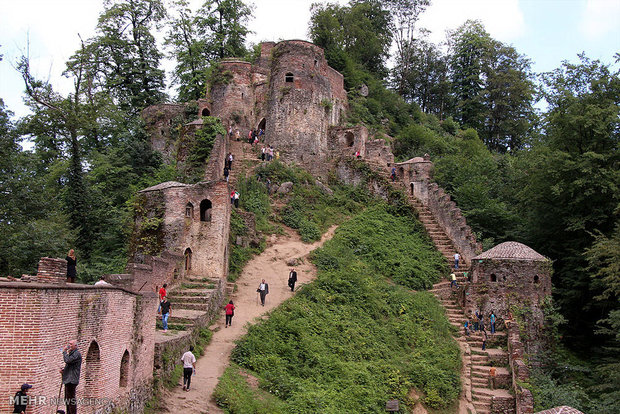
(305, 97)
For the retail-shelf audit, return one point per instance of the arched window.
(205, 210)
(412, 187)
(289, 77)
(262, 124)
(493, 278)
(536, 279)
(92, 372)
(189, 210)
(124, 370)
(188, 259)
(206, 112)
(349, 139)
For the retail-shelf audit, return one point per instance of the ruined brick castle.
(181, 234)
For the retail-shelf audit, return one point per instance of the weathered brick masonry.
(114, 329)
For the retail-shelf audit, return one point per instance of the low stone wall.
(215, 166)
(52, 270)
(524, 401)
(452, 221)
(156, 271)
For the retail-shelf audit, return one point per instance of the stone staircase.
(479, 397)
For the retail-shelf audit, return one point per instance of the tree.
(123, 57)
(223, 23)
(405, 14)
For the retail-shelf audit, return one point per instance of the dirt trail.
(271, 266)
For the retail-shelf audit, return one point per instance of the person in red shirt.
(230, 312)
(162, 294)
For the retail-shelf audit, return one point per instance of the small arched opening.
(412, 187)
(189, 210)
(124, 378)
(262, 124)
(349, 139)
(206, 112)
(188, 259)
(536, 279)
(493, 277)
(92, 371)
(205, 210)
(289, 77)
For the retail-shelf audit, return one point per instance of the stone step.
(176, 299)
(482, 406)
(202, 306)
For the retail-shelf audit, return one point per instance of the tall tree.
(405, 15)
(123, 57)
(223, 23)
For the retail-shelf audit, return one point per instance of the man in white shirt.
(263, 290)
(457, 257)
(102, 282)
(189, 367)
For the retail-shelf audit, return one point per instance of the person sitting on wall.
(20, 401)
(102, 282)
(71, 374)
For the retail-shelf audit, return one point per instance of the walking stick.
(58, 400)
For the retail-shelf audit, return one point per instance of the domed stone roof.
(163, 186)
(511, 251)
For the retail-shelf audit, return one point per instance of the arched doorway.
(92, 371)
(262, 124)
(349, 139)
(411, 186)
(124, 377)
(205, 210)
(188, 259)
(206, 112)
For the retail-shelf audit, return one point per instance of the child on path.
(230, 312)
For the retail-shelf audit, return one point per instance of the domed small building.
(511, 277)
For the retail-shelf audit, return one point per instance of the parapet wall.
(524, 400)
(114, 329)
(452, 221)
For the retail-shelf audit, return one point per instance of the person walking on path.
(20, 401)
(165, 313)
(492, 319)
(292, 278)
(230, 312)
(71, 374)
(230, 160)
(453, 281)
(393, 174)
(189, 367)
(492, 373)
(457, 257)
(484, 339)
(71, 264)
(263, 290)
(481, 321)
(226, 173)
(236, 196)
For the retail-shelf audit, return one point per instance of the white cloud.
(503, 19)
(600, 17)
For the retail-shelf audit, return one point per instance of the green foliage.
(235, 395)
(238, 255)
(350, 340)
(201, 146)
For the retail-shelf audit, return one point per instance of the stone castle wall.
(39, 319)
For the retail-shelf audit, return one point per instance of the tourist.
(230, 312)
(102, 282)
(393, 174)
(162, 295)
(457, 257)
(230, 160)
(453, 281)
(277, 155)
(292, 278)
(480, 317)
(237, 134)
(20, 401)
(165, 313)
(230, 132)
(263, 290)
(236, 199)
(492, 319)
(255, 142)
(262, 155)
(484, 339)
(71, 264)
(250, 136)
(358, 155)
(268, 184)
(232, 197)
(270, 153)
(476, 321)
(226, 173)
(492, 373)
(71, 374)
(189, 367)
(466, 326)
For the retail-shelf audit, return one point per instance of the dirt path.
(270, 265)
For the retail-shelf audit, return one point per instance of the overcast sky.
(547, 31)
